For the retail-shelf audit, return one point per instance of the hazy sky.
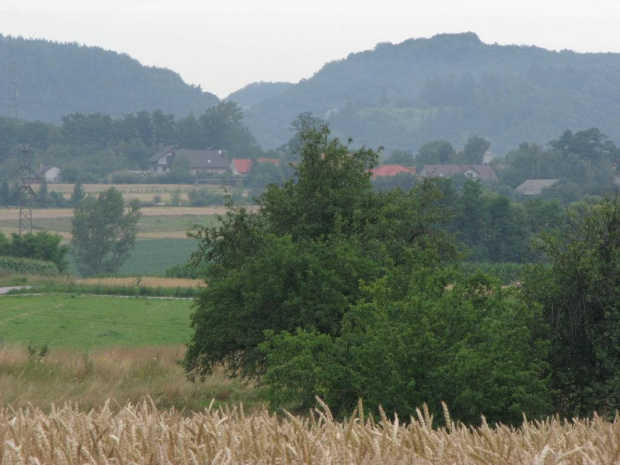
(225, 44)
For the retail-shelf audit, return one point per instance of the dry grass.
(144, 281)
(143, 434)
(123, 374)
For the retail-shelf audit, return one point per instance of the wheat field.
(141, 433)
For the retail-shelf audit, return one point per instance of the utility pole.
(25, 192)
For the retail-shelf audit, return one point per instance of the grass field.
(87, 322)
(100, 348)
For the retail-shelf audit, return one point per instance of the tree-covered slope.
(55, 79)
(258, 92)
(448, 87)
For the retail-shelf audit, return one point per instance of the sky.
(223, 45)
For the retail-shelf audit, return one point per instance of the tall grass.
(125, 375)
(143, 433)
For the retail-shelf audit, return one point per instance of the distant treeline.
(92, 146)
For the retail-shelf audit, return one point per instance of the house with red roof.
(392, 170)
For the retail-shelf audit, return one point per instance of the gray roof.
(161, 152)
(197, 159)
(535, 186)
(485, 172)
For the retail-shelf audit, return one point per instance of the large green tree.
(333, 288)
(579, 294)
(298, 260)
(104, 232)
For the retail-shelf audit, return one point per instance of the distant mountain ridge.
(400, 96)
(56, 79)
(449, 87)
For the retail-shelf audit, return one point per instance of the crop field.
(145, 434)
(156, 222)
(87, 322)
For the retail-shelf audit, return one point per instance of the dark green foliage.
(127, 290)
(335, 289)
(78, 193)
(92, 146)
(584, 163)
(103, 232)
(436, 153)
(474, 347)
(39, 246)
(206, 197)
(579, 294)
(223, 128)
(474, 150)
(297, 261)
(400, 157)
(5, 194)
(263, 174)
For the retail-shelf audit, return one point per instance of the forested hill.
(448, 87)
(55, 79)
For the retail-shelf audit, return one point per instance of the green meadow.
(86, 322)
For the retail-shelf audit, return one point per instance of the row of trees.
(336, 289)
(91, 146)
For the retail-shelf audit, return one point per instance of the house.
(392, 170)
(535, 186)
(242, 166)
(481, 172)
(51, 175)
(198, 161)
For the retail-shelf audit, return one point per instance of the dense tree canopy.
(336, 289)
(579, 295)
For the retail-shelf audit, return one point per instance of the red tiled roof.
(244, 165)
(391, 170)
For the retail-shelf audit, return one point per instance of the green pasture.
(85, 322)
